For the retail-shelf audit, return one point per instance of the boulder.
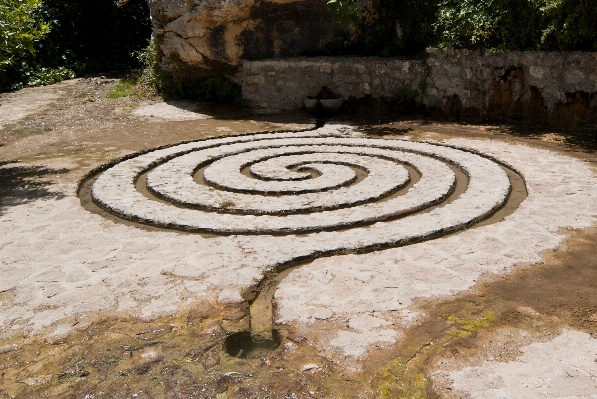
(202, 38)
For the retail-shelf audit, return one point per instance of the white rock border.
(174, 182)
(488, 188)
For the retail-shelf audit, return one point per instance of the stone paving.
(61, 262)
(562, 194)
(383, 178)
(487, 189)
(564, 367)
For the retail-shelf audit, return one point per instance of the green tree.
(517, 24)
(497, 24)
(46, 41)
(95, 35)
(20, 29)
(386, 27)
(405, 27)
(569, 24)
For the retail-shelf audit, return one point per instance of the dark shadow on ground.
(386, 131)
(582, 137)
(239, 112)
(21, 184)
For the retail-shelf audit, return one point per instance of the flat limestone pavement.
(563, 367)
(62, 262)
(561, 194)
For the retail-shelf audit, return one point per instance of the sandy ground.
(501, 310)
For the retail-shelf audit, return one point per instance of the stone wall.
(515, 85)
(202, 38)
(282, 84)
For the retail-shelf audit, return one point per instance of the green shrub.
(495, 24)
(143, 83)
(518, 24)
(46, 42)
(48, 76)
(385, 27)
(568, 24)
(21, 29)
(406, 27)
(150, 74)
(90, 36)
(151, 80)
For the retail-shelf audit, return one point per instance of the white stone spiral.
(304, 182)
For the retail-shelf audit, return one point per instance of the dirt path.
(92, 306)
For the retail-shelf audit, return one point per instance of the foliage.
(144, 82)
(49, 41)
(385, 27)
(348, 12)
(569, 24)
(407, 27)
(48, 76)
(518, 24)
(150, 75)
(20, 28)
(151, 80)
(27, 72)
(218, 89)
(95, 35)
(499, 24)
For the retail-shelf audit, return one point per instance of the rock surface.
(537, 86)
(564, 367)
(488, 187)
(61, 262)
(198, 39)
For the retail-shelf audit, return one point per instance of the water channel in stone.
(262, 338)
(263, 335)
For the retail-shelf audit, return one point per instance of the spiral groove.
(305, 182)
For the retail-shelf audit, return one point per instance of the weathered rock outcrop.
(202, 38)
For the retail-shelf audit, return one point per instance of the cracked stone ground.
(373, 304)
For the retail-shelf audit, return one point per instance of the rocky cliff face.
(202, 38)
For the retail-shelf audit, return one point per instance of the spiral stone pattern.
(383, 178)
(382, 191)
